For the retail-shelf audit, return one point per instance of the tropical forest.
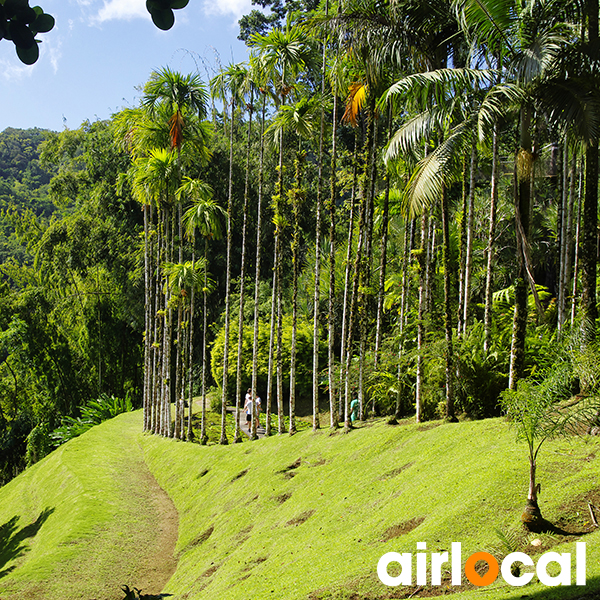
(347, 288)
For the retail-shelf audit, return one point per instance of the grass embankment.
(310, 516)
(301, 517)
(86, 520)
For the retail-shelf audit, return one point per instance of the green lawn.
(306, 516)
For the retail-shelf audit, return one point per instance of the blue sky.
(100, 51)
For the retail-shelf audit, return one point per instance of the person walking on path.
(257, 410)
(354, 407)
(249, 408)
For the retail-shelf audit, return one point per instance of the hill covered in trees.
(345, 225)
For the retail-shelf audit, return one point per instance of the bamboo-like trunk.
(345, 310)
(577, 236)
(238, 378)
(421, 317)
(522, 181)
(333, 413)
(257, 278)
(469, 247)
(487, 318)
(383, 261)
(449, 354)
(203, 434)
(223, 439)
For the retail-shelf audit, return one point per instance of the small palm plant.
(545, 410)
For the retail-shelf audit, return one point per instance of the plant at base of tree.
(545, 410)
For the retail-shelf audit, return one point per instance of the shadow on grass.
(12, 539)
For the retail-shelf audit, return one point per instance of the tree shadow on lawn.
(12, 539)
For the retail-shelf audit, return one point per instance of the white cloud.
(14, 70)
(236, 8)
(122, 9)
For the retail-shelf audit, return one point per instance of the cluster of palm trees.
(399, 107)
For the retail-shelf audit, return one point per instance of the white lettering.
(456, 563)
(507, 563)
(437, 560)
(405, 561)
(563, 578)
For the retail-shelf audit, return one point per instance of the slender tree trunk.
(223, 439)
(421, 317)
(295, 258)
(319, 210)
(450, 416)
(344, 334)
(469, 248)
(147, 321)
(403, 299)
(238, 378)
(333, 413)
(589, 234)
(523, 170)
(577, 239)
(190, 362)
(257, 277)
(487, 319)
(203, 434)
(462, 250)
(271, 357)
(383, 263)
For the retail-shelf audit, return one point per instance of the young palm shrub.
(545, 410)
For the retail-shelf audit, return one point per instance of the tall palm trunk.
(383, 262)
(487, 318)
(577, 246)
(257, 276)
(319, 210)
(189, 434)
(589, 234)
(449, 354)
(271, 356)
(238, 379)
(344, 349)
(223, 439)
(203, 434)
(421, 317)
(147, 322)
(333, 413)
(469, 247)
(295, 258)
(523, 170)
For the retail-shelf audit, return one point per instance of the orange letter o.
(472, 574)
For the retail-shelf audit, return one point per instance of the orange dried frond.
(357, 95)
(176, 130)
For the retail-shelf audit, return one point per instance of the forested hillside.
(395, 204)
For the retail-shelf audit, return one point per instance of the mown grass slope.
(310, 516)
(304, 517)
(83, 521)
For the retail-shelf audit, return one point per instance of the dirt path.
(158, 564)
(260, 432)
(118, 525)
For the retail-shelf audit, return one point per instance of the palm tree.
(300, 118)
(205, 216)
(280, 54)
(228, 82)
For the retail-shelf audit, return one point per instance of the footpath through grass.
(302, 517)
(310, 516)
(86, 520)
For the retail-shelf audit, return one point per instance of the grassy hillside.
(82, 522)
(302, 517)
